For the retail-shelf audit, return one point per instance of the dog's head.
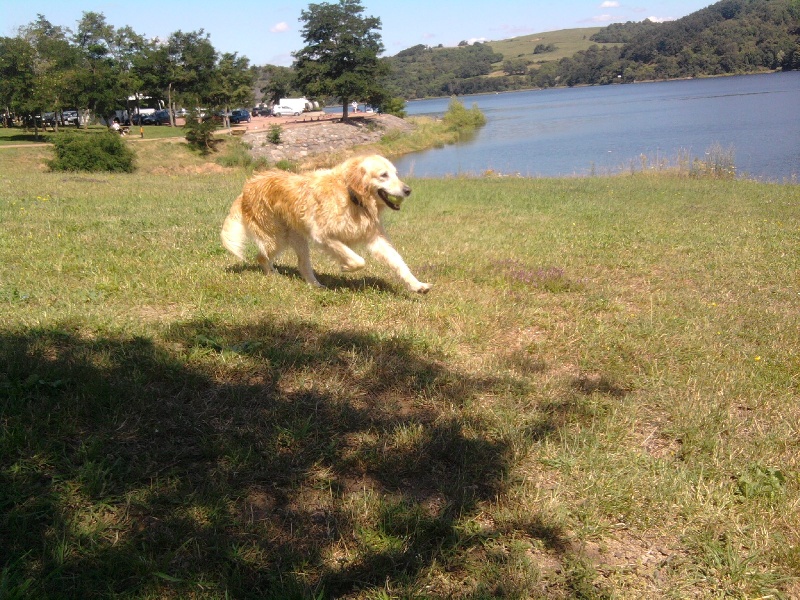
(371, 177)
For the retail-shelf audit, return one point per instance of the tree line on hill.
(729, 37)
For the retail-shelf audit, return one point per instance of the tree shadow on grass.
(273, 460)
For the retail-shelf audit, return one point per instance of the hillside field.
(566, 41)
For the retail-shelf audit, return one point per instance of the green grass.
(19, 135)
(598, 398)
(566, 41)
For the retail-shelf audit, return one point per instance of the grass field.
(598, 398)
(19, 135)
(566, 42)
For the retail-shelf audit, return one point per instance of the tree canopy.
(340, 58)
(97, 67)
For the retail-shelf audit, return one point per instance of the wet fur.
(335, 208)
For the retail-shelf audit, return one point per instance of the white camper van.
(290, 106)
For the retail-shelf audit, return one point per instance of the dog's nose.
(406, 190)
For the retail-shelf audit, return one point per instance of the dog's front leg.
(383, 250)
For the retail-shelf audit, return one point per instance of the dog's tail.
(234, 234)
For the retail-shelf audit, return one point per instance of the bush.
(458, 118)
(274, 135)
(93, 152)
(200, 132)
(394, 106)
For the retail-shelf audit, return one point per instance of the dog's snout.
(406, 190)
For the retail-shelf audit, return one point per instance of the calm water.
(605, 129)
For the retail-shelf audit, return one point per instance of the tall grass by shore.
(458, 123)
(598, 399)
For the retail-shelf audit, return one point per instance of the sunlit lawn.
(598, 399)
(21, 135)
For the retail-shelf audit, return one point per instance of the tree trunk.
(169, 104)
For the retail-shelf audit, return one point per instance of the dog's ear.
(357, 182)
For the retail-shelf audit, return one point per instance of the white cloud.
(661, 19)
(610, 4)
(603, 18)
(281, 27)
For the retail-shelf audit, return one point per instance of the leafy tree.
(280, 83)
(110, 57)
(515, 66)
(16, 76)
(232, 83)
(182, 69)
(96, 82)
(340, 58)
(53, 64)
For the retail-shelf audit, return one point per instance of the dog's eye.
(385, 175)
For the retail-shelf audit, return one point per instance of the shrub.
(200, 132)
(275, 132)
(459, 118)
(93, 152)
(394, 106)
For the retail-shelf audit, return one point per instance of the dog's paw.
(354, 265)
(351, 268)
(422, 288)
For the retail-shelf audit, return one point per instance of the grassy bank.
(598, 399)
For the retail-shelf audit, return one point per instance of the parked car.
(69, 117)
(160, 117)
(262, 111)
(282, 111)
(240, 115)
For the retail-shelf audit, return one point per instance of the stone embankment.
(301, 141)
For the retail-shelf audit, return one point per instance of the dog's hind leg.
(269, 248)
(300, 246)
(348, 260)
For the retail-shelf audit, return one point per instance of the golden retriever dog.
(336, 208)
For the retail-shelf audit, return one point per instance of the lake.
(607, 129)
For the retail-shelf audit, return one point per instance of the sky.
(268, 31)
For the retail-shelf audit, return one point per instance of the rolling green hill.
(727, 38)
(565, 43)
